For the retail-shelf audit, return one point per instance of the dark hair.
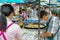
(20, 8)
(43, 13)
(54, 12)
(6, 10)
(46, 7)
(23, 10)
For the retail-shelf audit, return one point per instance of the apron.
(3, 37)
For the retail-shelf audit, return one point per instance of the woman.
(8, 29)
(24, 15)
(51, 26)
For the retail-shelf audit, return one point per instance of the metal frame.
(39, 19)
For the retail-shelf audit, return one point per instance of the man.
(51, 27)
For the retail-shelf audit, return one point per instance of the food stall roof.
(0, 1)
(16, 1)
(12, 1)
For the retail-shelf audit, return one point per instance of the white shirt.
(13, 31)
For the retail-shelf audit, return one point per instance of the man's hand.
(46, 34)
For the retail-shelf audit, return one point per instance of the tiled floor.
(30, 34)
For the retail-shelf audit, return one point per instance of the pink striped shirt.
(14, 31)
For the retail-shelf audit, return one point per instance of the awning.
(12, 1)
